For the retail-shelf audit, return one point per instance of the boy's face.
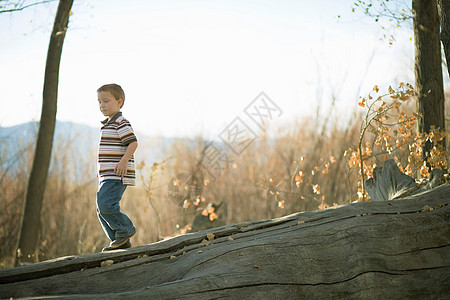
(109, 105)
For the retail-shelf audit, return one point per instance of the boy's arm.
(121, 167)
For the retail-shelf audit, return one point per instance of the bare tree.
(431, 24)
(428, 68)
(31, 219)
(444, 18)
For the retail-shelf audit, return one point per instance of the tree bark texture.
(444, 18)
(398, 249)
(29, 233)
(388, 183)
(427, 67)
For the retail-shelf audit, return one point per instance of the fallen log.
(369, 250)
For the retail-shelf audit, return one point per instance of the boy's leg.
(114, 223)
(111, 234)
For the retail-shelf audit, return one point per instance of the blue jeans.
(114, 223)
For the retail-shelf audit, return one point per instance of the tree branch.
(26, 6)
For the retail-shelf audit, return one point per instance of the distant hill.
(17, 139)
(79, 140)
(18, 136)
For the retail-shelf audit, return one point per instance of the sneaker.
(124, 246)
(120, 241)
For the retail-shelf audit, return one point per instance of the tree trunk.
(427, 68)
(28, 236)
(396, 249)
(444, 18)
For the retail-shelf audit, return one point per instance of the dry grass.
(302, 167)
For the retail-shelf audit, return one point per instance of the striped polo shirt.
(116, 135)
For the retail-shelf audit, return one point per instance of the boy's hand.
(121, 168)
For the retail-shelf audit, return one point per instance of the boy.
(116, 168)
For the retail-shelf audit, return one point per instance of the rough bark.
(389, 183)
(31, 219)
(444, 18)
(427, 68)
(397, 249)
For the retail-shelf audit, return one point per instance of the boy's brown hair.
(115, 89)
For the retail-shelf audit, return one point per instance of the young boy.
(116, 168)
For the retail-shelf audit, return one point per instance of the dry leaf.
(316, 189)
(106, 263)
(300, 222)
(210, 236)
(426, 208)
(186, 203)
(172, 257)
(213, 216)
(229, 238)
(258, 266)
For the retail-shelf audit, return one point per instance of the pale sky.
(190, 67)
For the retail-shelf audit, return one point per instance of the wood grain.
(367, 250)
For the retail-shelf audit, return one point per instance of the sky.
(189, 67)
